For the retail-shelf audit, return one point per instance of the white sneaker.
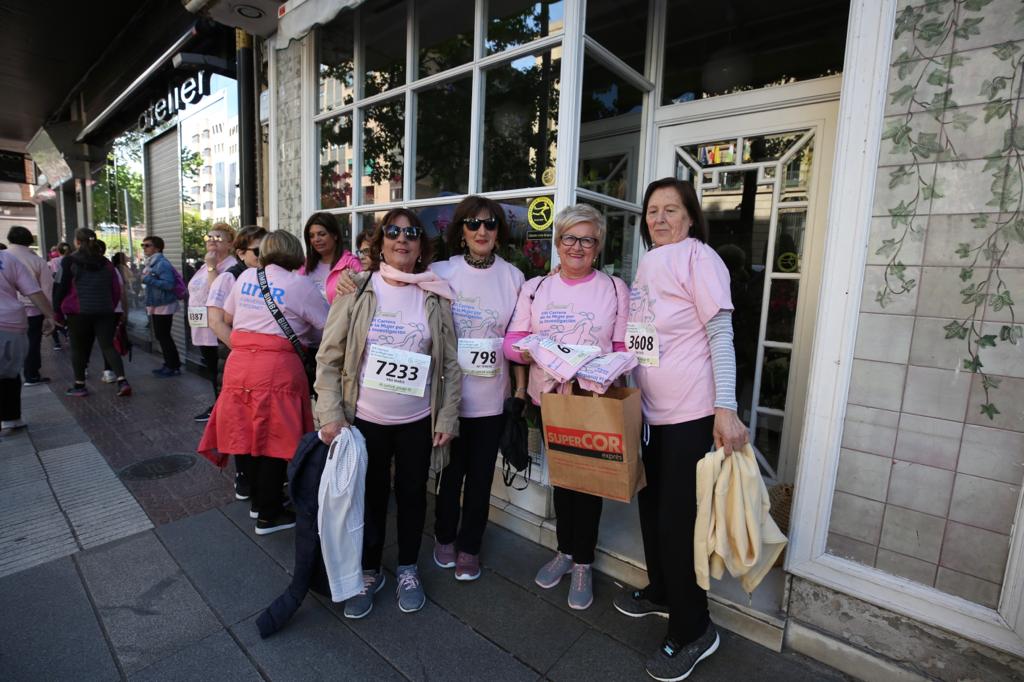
(13, 424)
(108, 377)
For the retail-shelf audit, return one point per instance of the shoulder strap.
(615, 287)
(261, 277)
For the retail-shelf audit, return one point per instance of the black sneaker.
(203, 416)
(37, 381)
(283, 521)
(254, 513)
(242, 488)
(635, 604)
(673, 662)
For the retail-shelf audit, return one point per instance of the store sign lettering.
(178, 97)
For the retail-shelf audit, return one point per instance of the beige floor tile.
(863, 474)
(939, 393)
(921, 488)
(868, 429)
(856, 517)
(975, 551)
(906, 566)
(992, 453)
(970, 588)
(984, 503)
(930, 441)
(912, 533)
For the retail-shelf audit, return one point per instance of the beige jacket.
(734, 530)
(341, 353)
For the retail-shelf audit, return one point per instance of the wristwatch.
(210, 268)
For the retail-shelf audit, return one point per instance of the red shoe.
(124, 389)
(467, 566)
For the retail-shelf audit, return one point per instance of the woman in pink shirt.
(680, 327)
(263, 408)
(579, 306)
(486, 288)
(326, 255)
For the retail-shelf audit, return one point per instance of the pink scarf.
(427, 280)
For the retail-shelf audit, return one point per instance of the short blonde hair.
(580, 213)
(282, 248)
(226, 229)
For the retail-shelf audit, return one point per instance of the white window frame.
(862, 103)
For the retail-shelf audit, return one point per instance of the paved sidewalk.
(178, 600)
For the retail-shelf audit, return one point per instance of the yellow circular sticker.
(787, 262)
(548, 177)
(541, 212)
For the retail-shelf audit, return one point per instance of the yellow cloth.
(734, 529)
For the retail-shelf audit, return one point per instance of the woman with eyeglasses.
(263, 409)
(217, 260)
(158, 276)
(578, 306)
(680, 323)
(388, 365)
(326, 255)
(486, 288)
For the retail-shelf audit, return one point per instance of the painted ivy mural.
(928, 30)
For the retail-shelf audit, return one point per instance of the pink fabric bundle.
(598, 374)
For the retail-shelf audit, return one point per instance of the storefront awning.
(296, 18)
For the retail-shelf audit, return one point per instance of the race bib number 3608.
(642, 341)
(396, 370)
(480, 357)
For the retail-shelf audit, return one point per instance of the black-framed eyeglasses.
(474, 223)
(214, 238)
(410, 232)
(255, 250)
(364, 252)
(571, 240)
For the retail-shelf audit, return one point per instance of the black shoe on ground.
(673, 662)
(635, 604)
(254, 513)
(203, 416)
(37, 381)
(283, 521)
(242, 488)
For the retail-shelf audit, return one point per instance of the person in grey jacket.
(161, 302)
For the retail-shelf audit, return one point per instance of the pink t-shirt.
(198, 292)
(483, 305)
(584, 312)
(15, 279)
(678, 288)
(400, 321)
(319, 276)
(296, 298)
(220, 289)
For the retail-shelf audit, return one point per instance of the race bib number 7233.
(396, 370)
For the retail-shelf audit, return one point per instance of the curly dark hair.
(377, 239)
(468, 208)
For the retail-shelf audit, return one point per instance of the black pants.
(34, 360)
(162, 332)
(577, 518)
(10, 398)
(474, 453)
(668, 512)
(410, 446)
(267, 476)
(211, 358)
(83, 330)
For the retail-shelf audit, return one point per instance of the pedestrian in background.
(160, 279)
(60, 332)
(21, 239)
(326, 255)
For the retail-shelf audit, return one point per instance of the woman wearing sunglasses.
(326, 255)
(217, 260)
(579, 306)
(485, 287)
(388, 365)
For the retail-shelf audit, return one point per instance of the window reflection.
(442, 138)
(521, 122)
(335, 61)
(336, 162)
(383, 36)
(609, 133)
(617, 253)
(445, 34)
(383, 151)
(719, 48)
(513, 22)
(621, 27)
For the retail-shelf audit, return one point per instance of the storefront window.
(445, 34)
(528, 249)
(609, 133)
(442, 138)
(383, 36)
(335, 63)
(521, 123)
(336, 162)
(621, 27)
(513, 22)
(383, 151)
(617, 253)
(720, 48)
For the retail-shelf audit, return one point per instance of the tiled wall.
(289, 145)
(932, 456)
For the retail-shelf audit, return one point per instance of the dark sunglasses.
(255, 251)
(147, 245)
(411, 232)
(474, 224)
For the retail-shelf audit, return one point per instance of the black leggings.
(83, 330)
(668, 512)
(10, 399)
(474, 453)
(162, 331)
(211, 358)
(267, 476)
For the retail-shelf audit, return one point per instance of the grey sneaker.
(410, 590)
(361, 604)
(673, 662)
(636, 604)
(581, 591)
(550, 574)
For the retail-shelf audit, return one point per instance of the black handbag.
(514, 445)
(308, 358)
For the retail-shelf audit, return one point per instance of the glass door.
(763, 180)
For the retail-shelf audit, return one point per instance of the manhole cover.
(157, 467)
